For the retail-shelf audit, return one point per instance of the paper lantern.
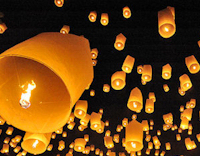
(139, 69)
(17, 149)
(59, 3)
(189, 132)
(71, 118)
(119, 128)
(168, 118)
(61, 145)
(158, 132)
(156, 141)
(9, 131)
(148, 151)
(94, 53)
(150, 145)
(64, 134)
(192, 103)
(71, 125)
(71, 145)
(187, 113)
(92, 16)
(97, 151)
(104, 19)
(166, 22)
(118, 80)
(184, 123)
(3, 27)
(126, 12)
(81, 128)
(188, 143)
(50, 147)
(116, 138)
(147, 73)
(65, 29)
(87, 150)
(149, 106)
(79, 144)
(162, 153)
(192, 64)
(2, 121)
(134, 136)
(13, 144)
(106, 88)
(92, 92)
(108, 142)
(128, 64)
(152, 96)
(185, 82)
(166, 72)
(135, 101)
(120, 42)
(148, 138)
(84, 121)
(125, 122)
(95, 121)
(145, 125)
(80, 110)
(181, 92)
(35, 143)
(134, 117)
(156, 152)
(168, 146)
(57, 72)
(166, 87)
(92, 147)
(6, 140)
(5, 148)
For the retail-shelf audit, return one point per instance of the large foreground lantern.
(47, 70)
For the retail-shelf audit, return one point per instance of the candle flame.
(35, 143)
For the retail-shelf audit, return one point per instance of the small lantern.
(61, 145)
(162, 153)
(150, 145)
(145, 125)
(94, 53)
(64, 134)
(151, 122)
(9, 131)
(134, 117)
(106, 123)
(53, 136)
(181, 92)
(71, 125)
(101, 129)
(120, 42)
(59, 131)
(158, 132)
(168, 118)
(185, 82)
(81, 128)
(108, 142)
(5, 148)
(6, 140)
(178, 137)
(118, 129)
(139, 69)
(65, 29)
(104, 19)
(166, 87)
(188, 143)
(84, 121)
(118, 80)
(184, 123)
(97, 151)
(148, 151)
(49, 147)
(156, 152)
(71, 145)
(192, 64)
(92, 147)
(149, 106)
(92, 16)
(59, 3)
(166, 71)
(128, 64)
(80, 110)
(116, 138)
(86, 137)
(79, 144)
(106, 88)
(156, 141)
(152, 96)
(71, 118)
(92, 92)
(125, 122)
(168, 146)
(192, 103)
(95, 121)
(187, 113)
(2, 121)
(148, 138)
(147, 73)
(126, 12)
(3, 27)
(17, 149)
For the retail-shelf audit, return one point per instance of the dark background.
(27, 18)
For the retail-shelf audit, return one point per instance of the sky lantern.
(104, 19)
(65, 29)
(108, 142)
(81, 109)
(185, 82)
(166, 71)
(79, 144)
(92, 16)
(126, 12)
(59, 3)
(168, 118)
(3, 27)
(106, 88)
(139, 69)
(95, 121)
(120, 42)
(166, 22)
(94, 53)
(118, 80)
(192, 64)
(147, 73)
(85, 120)
(152, 96)
(128, 64)
(149, 106)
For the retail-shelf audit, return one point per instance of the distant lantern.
(118, 80)
(128, 64)
(106, 123)
(107, 133)
(151, 122)
(162, 153)
(158, 132)
(156, 141)
(116, 138)
(104, 19)
(188, 143)
(3, 27)
(92, 92)
(71, 125)
(192, 64)
(152, 96)
(168, 146)
(81, 109)
(61, 145)
(119, 129)
(97, 151)
(108, 142)
(198, 137)
(156, 152)
(185, 82)
(120, 42)
(184, 123)
(149, 106)
(168, 118)
(126, 12)
(125, 122)
(147, 73)
(145, 125)
(86, 137)
(79, 144)
(192, 103)
(101, 129)
(166, 71)
(17, 149)
(9, 131)
(139, 69)
(94, 53)
(148, 151)
(166, 87)
(181, 92)
(65, 29)
(178, 137)
(187, 113)
(5, 148)
(106, 88)
(95, 121)
(64, 134)
(181, 108)
(59, 131)
(135, 101)
(59, 3)
(35, 143)
(166, 22)
(84, 121)
(134, 117)
(134, 136)
(92, 16)
(148, 138)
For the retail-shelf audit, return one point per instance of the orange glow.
(104, 19)
(92, 16)
(126, 12)
(59, 3)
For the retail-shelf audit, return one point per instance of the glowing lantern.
(65, 29)
(125, 122)
(166, 71)
(92, 92)
(149, 106)
(156, 141)
(94, 53)
(50, 147)
(97, 151)
(192, 64)
(80, 110)
(147, 73)
(192, 103)
(95, 121)
(81, 128)
(17, 149)
(119, 128)
(92, 147)
(168, 118)
(135, 101)
(94, 62)
(184, 123)
(148, 138)
(134, 136)
(126, 12)
(59, 3)
(71, 118)
(86, 137)
(118, 80)
(13, 144)
(92, 16)
(116, 138)
(79, 144)
(128, 64)
(61, 145)
(178, 137)
(158, 132)
(150, 145)
(152, 96)
(148, 151)
(6, 140)
(188, 144)
(106, 88)
(166, 22)
(162, 153)
(181, 92)
(134, 117)
(139, 69)
(181, 108)
(120, 42)
(156, 152)
(5, 148)
(166, 87)
(2, 121)
(108, 142)
(106, 123)
(59, 131)
(9, 131)
(3, 27)
(104, 19)
(187, 113)
(84, 121)
(101, 129)
(189, 132)
(71, 125)
(145, 125)
(64, 134)
(185, 82)
(53, 136)
(168, 146)
(71, 145)
(56, 90)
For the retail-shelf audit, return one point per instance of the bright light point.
(126, 68)
(80, 112)
(117, 83)
(166, 29)
(140, 70)
(145, 77)
(35, 143)
(93, 55)
(79, 147)
(95, 126)
(167, 120)
(104, 21)
(166, 74)
(92, 17)
(58, 2)
(194, 67)
(64, 32)
(134, 105)
(133, 145)
(119, 44)
(187, 84)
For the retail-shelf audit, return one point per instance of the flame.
(25, 97)
(35, 143)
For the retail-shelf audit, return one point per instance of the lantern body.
(95, 121)
(149, 106)
(3, 28)
(118, 80)
(185, 82)
(134, 136)
(104, 19)
(65, 29)
(181, 92)
(184, 123)
(166, 87)
(56, 72)
(79, 144)
(126, 12)
(120, 42)
(84, 121)
(9, 131)
(188, 143)
(187, 113)
(168, 118)
(94, 53)
(145, 125)
(152, 96)
(135, 101)
(139, 69)
(166, 71)
(71, 125)
(108, 142)
(125, 122)
(92, 16)
(192, 103)
(128, 64)
(192, 64)
(81, 109)
(106, 88)
(178, 137)
(59, 3)
(168, 146)
(147, 73)
(166, 22)
(156, 141)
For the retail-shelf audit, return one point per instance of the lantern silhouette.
(104, 19)
(166, 22)
(59, 3)
(126, 12)
(118, 80)
(128, 64)
(79, 144)
(149, 106)
(185, 82)
(3, 27)
(135, 101)
(166, 71)
(81, 109)
(120, 42)
(134, 136)
(147, 73)
(95, 121)
(192, 64)
(92, 16)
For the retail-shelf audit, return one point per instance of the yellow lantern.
(168, 146)
(158, 132)
(139, 153)
(2, 121)
(50, 147)
(17, 149)
(185, 82)
(5, 148)
(168, 118)
(92, 92)
(108, 142)
(3, 27)
(162, 153)
(79, 144)
(116, 138)
(106, 123)
(6, 140)
(181, 108)
(134, 136)
(92, 16)
(178, 137)
(120, 42)
(81, 128)
(9, 131)
(166, 22)
(101, 129)
(134, 117)
(106, 88)
(188, 143)
(92, 147)
(126, 12)
(84, 121)
(156, 152)
(187, 113)
(125, 122)
(192, 103)
(118, 80)
(64, 134)
(189, 132)
(59, 3)
(128, 64)
(56, 90)
(148, 138)
(61, 145)
(147, 73)
(148, 151)
(156, 141)
(65, 29)
(166, 87)
(53, 136)
(71, 118)
(94, 53)
(104, 19)
(150, 145)
(152, 96)
(119, 128)
(145, 125)
(59, 131)
(192, 64)
(166, 71)
(184, 123)
(180, 91)
(135, 101)
(95, 121)
(71, 125)
(139, 69)
(97, 151)
(86, 137)
(13, 144)
(35, 143)
(80, 110)
(71, 145)
(151, 122)
(149, 106)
